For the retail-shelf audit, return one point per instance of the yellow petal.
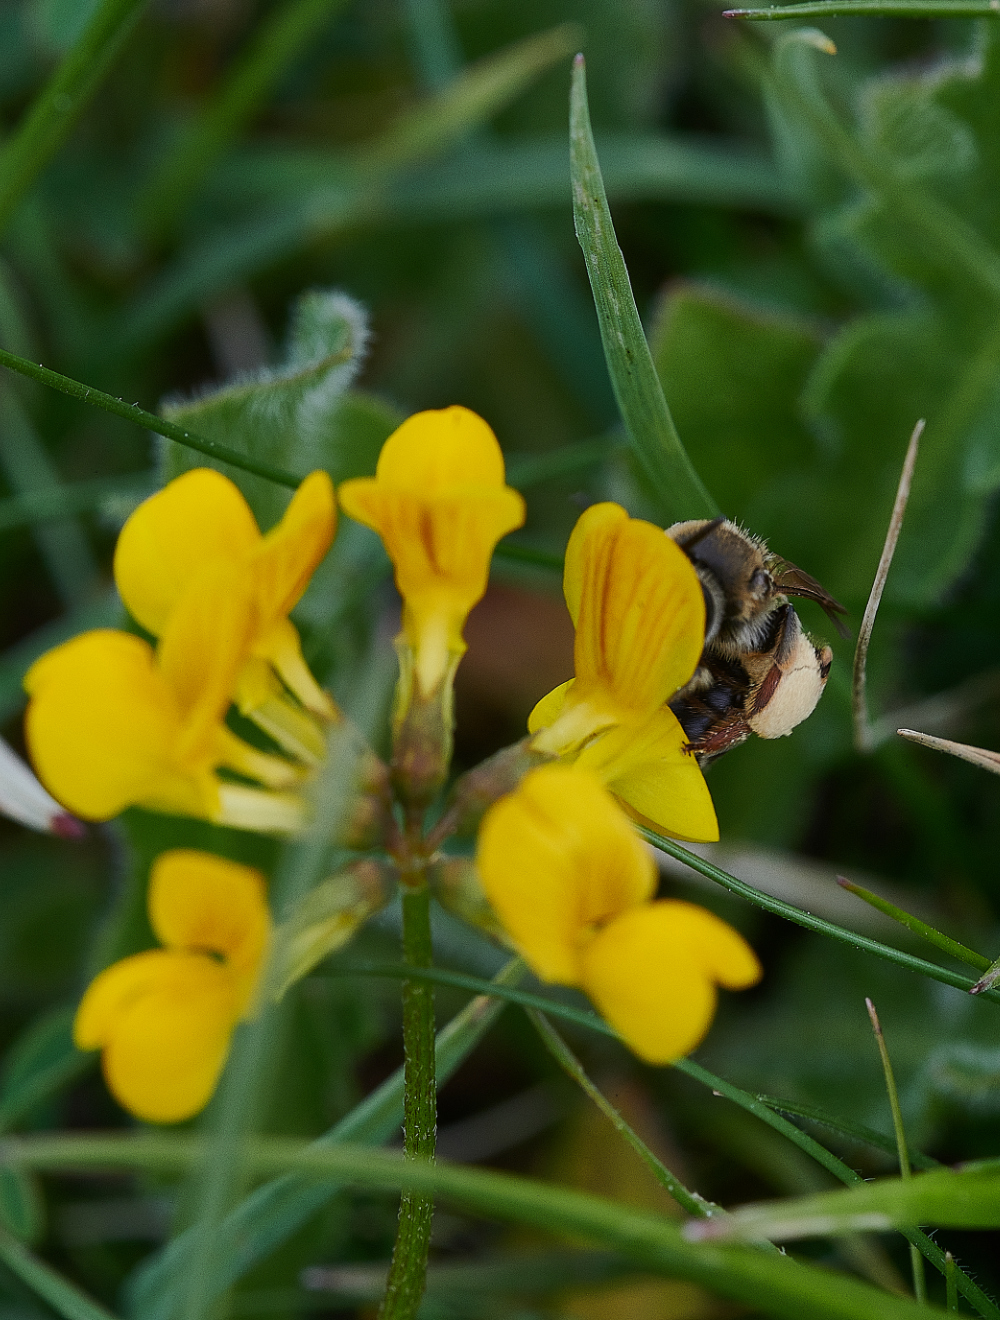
(198, 901)
(202, 649)
(167, 1019)
(548, 710)
(652, 972)
(281, 648)
(102, 725)
(638, 608)
(197, 518)
(647, 767)
(556, 856)
(287, 557)
(438, 449)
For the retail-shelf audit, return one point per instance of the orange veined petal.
(198, 901)
(638, 607)
(167, 1019)
(199, 517)
(102, 727)
(439, 449)
(555, 857)
(652, 973)
(646, 766)
(288, 555)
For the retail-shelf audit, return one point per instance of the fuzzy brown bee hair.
(759, 672)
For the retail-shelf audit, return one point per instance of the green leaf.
(678, 489)
(64, 1297)
(284, 416)
(968, 1197)
(732, 372)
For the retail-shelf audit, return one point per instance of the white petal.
(23, 799)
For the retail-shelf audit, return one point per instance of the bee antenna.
(687, 542)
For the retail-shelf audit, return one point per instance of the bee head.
(736, 579)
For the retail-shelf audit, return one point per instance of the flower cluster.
(116, 721)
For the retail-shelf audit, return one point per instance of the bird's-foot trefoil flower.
(201, 520)
(164, 1018)
(440, 503)
(639, 614)
(112, 723)
(573, 886)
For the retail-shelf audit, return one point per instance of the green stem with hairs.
(408, 1271)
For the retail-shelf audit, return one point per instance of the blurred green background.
(814, 245)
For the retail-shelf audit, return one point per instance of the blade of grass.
(571, 1065)
(65, 1298)
(871, 8)
(133, 413)
(56, 108)
(855, 1131)
(678, 489)
(905, 1169)
(806, 919)
(774, 1282)
(863, 732)
(943, 942)
(273, 1212)
(276, 42)
(967, 1197)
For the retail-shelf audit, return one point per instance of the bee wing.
(794, 581)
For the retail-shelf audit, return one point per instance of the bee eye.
(761, 583)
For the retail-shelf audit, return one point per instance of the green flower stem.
(408, 1271)
(56, 109)
(133, 413)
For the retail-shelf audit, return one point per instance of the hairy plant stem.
(408, 1271)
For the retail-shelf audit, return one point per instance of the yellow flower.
(202, 520)
(113, 724)
(164, 1018)
(439, 503)
(639, 614)
(572, 883)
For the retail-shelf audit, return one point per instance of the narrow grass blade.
(806, 919)
(905, 1169)
(968, 1197)
(65, 1298)
(855, 1131)
(980, 756)
(871, 9)
(678, 489)
(571, 1065)
(943, 942)
(133, 413)
(56, 108)
(863, 734)
(277, 41)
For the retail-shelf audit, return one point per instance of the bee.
(759, 672)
